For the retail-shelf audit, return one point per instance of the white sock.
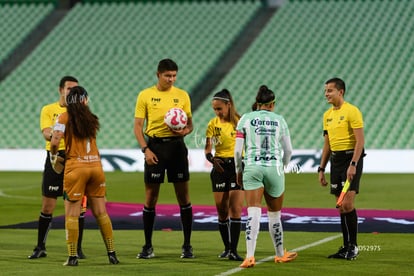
(252, 229)
(276, 232)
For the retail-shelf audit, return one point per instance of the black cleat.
(80, 254)
(233, 256)
(38, 253)
(352, 252)
(341, 254)
(112, 258)
(71, 261)
(224, 254)
(146, 253)
(187, 252)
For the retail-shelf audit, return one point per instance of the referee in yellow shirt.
(228, 196)
(165, 151)
(343, 129)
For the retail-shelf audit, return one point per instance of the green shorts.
(271, 178)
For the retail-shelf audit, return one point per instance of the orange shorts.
(80, 181)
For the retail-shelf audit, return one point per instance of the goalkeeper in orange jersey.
(84, 174)
(52, 183)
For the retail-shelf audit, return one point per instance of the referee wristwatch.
(320, 169)
(144, 149)
(353, 163)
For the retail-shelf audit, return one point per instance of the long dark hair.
(225, 96)
(264, 96)
(82, 123)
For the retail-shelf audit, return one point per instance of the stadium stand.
(367, 43)
(113, 49)
(16, 23)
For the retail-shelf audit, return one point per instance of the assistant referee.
(343, 129)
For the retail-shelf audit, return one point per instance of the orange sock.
(105, 225)
(72, 234)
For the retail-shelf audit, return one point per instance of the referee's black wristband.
(209, 157)
(320, 169)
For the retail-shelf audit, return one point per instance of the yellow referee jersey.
(223, 137)
(48, 116)
(152, 104)
(339, 125)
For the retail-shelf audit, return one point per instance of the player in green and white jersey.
(264, 137)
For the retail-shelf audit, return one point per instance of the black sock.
(45, 223)
(81, 226)
(235, 227)
(345, 231)
(351, 219)
(186, 212)
(224, 233)
(148, 217)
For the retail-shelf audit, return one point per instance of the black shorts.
(52, 183)
(172, 156)
(225, 181)
(340, 161)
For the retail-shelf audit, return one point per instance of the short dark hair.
(167, 65)
(339, 83)
(65, 79)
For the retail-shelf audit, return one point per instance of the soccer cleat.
(112, 258)
(224, 254)
(187, 252)
(341, 254)
(146, 253)
(233, 256)
(80, 254)
(287, 257)
(248, 262)
(352, 252)
(71, 261)
(38, 253)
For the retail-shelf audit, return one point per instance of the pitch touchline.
(237, 269)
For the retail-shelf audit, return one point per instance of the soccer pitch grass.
(385, 254)
(393, 258)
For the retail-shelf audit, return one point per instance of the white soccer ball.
(175, 118)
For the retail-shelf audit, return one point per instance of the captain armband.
(59, 127)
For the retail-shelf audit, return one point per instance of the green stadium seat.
(17, 21)
(113, 49)
(368, 47)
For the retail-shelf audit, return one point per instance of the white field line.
(237, 269)
(2, 194)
